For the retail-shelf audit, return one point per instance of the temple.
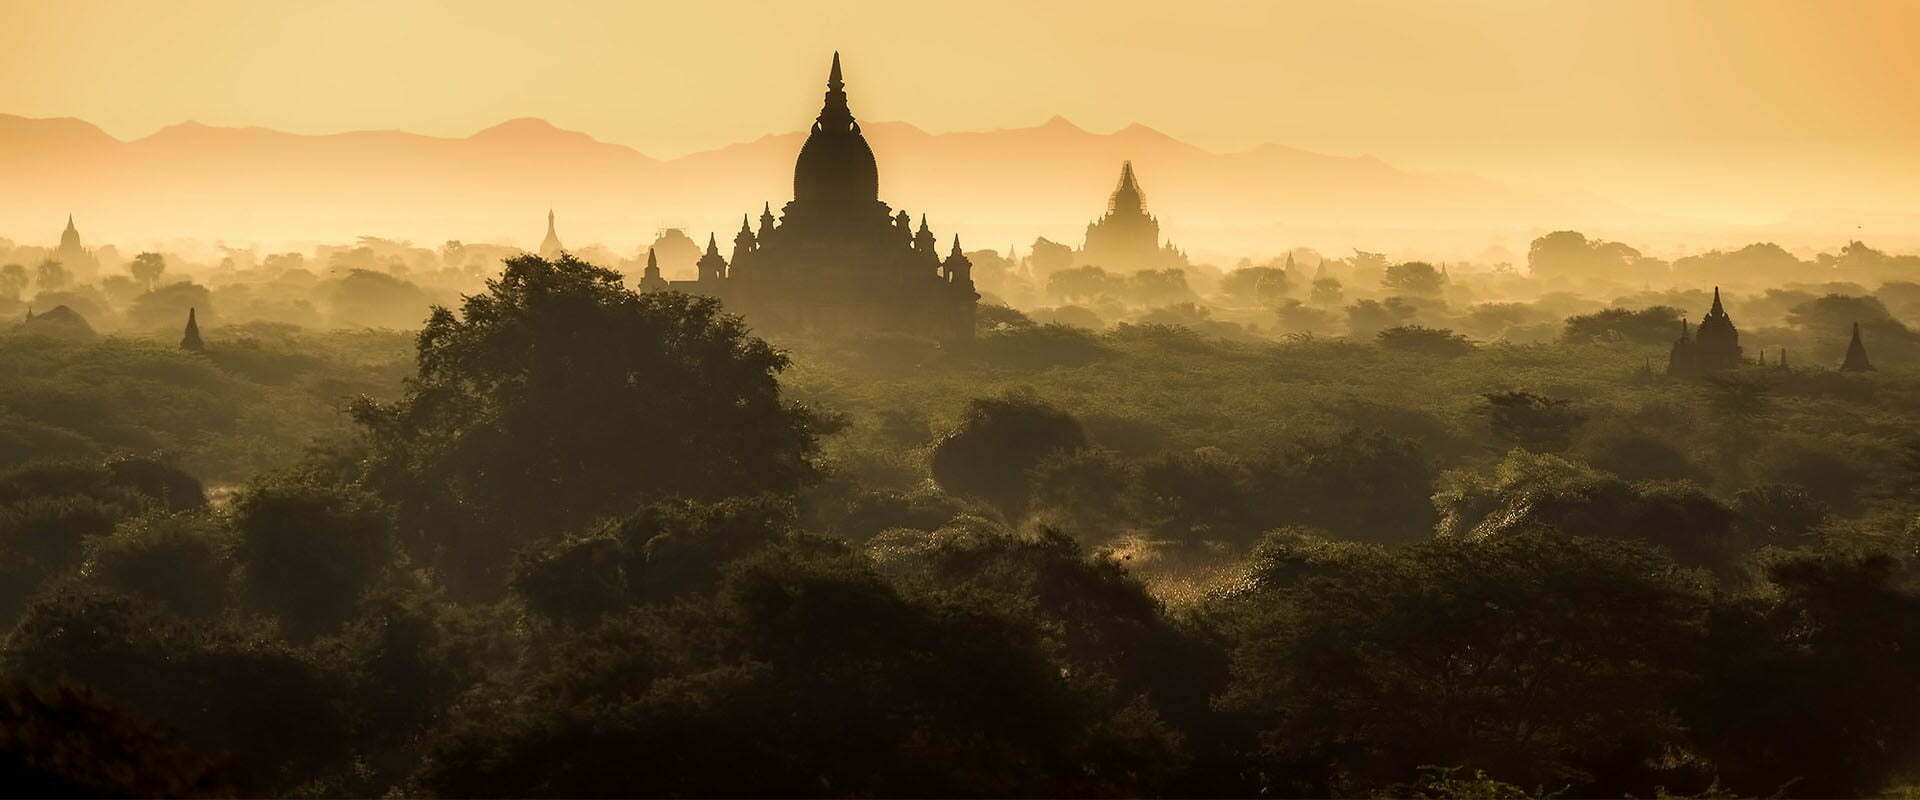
(837, 258)
(1127, 239)
(76, 258)
(1856, 360)
(190, 338)
(1713, 347)
(550, 247)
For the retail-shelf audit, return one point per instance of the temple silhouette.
(837, 258)
(1713, 347)
(550, 247)
(79, 261)
(1127, 238)
(1856, 360)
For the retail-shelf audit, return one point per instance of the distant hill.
(993, 187)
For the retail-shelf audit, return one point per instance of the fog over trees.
(467, 521)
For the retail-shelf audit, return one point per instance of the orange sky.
(1736, 111)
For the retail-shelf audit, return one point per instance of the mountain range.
(994, 188)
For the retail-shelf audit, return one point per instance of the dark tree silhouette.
(998, 441)
(558, 397)
(1525, 419)
(309, 552)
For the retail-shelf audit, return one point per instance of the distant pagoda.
(550, 247)
(837, 259)
(1856, 354)
(1680, 360)
(71, 254)
(1714, 346)
(1127, 238)
(190, 339)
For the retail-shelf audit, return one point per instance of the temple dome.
(836, 168)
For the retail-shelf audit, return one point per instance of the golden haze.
(1705, 119)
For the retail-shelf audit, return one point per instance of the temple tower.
(1856, 360)
(650, 281)
(190, 339)
(1717, 343)
(550, 247)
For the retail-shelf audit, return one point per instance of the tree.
(1414, 278)
(558, 397)
(1262, 286)
(13, 280)
(1656, 325)
(1529, 492)
(1084, 283)
(146, 268)
(1569, 255)
(67, 741)
(1327, 292)
(1365, 485)
(309, 553)
(1531, 421)
(1157, 286)
(1426, 341)
(167, 306)
(800, 671)
(51, 276)
(999, 440)
(363, 297)
(1808, 689)
(1368, 318)
(1549, 660)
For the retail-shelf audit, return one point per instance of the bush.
(997, 442)
(309, 552)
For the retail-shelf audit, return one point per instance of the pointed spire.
(744, 227)
(956, 244)
(1856, 360)
(923, 224)
(1716, 310)
(190, 338)
(713, 244)
(834, 114)
(653, 262)
(1127, 199)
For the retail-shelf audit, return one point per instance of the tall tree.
(559, 396)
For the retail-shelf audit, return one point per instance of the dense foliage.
(606, 543)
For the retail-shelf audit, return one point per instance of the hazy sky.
(1741, 109)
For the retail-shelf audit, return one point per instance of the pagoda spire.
(923, 239)
(956, 245)
(743, 242)
(834, 113)
(650, 280)
(1856, 354)
(550, 247)
(712, 267)
(1127, 198)
(1716, 310)
(190, 339)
